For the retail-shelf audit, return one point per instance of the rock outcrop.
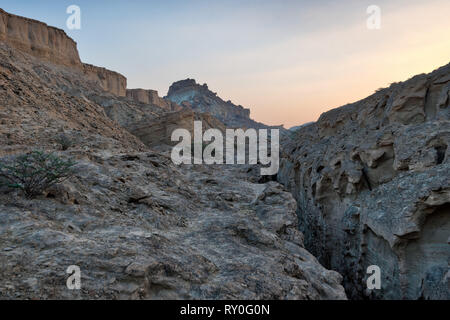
(159, 130)
(187, 93)
(38, 39)
(140, 228)
(372, 183)
(152, 97)
(110, 81)
(52, 44)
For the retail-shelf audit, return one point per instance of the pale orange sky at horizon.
(287, 61)
(356, 76)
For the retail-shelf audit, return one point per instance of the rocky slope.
(140, 228)
(137, 226)
(372, 183)
(191, 95)
(159, 130)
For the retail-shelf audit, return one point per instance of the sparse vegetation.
(64, 141)
(34, 172)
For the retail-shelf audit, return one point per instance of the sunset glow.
(297, 58)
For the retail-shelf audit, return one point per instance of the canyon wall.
(372, 183)
(38, 39)
(159, 130)
(110, 81)
(151, 97)
(53, 45)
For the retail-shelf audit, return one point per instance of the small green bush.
(35, 172)
(64, 141)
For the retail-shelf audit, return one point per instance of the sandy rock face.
(372, 183)
(159, 130)
(152, 97)
(38, 39)
(110, 81)
(52, 44)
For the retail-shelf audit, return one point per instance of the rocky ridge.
(52, 44)
(152, 97)
(38, 39)
(189, 94)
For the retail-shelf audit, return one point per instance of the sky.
(288, 61)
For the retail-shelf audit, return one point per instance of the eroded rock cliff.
(110, 81)
(152, 97)
(38, 39)
(372, 183)
(189, 94)
(52, 44)
(159, 130)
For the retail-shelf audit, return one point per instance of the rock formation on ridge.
(152, 97)
(187, 93)
(53, 45)
(38, 39)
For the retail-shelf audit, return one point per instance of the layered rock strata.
(188, 94)
(52, 44)
(159, 130)
(152, 97)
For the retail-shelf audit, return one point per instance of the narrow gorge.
(367, 184)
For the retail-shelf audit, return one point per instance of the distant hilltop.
(189, 94)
